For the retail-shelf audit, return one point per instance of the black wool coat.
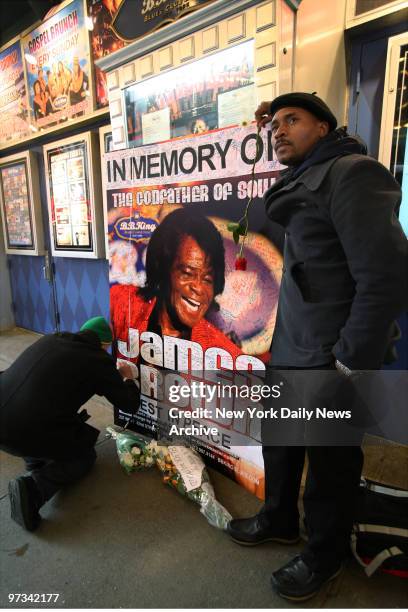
(43, 390)
(345, 263)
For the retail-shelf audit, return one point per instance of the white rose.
(127, 459)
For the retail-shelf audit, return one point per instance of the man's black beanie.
(309, 102)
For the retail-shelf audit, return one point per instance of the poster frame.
(93, 170)
(12, 142)
(103, 132)
(28, 158)
(72, 121)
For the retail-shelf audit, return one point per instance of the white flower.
(127, 459)
(135, 450)
(160, 464)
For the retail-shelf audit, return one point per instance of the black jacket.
(345, 258)
(43, 390)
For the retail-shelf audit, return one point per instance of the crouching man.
(41, 394)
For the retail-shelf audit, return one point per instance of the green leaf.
(235, 236)
(232, 227)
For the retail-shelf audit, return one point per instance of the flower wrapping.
(183, 470)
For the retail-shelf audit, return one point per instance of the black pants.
(50, 475)
(329, 500)
(332, 480)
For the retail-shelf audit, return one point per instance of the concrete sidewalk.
(119, 541)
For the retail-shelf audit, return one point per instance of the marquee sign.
(137, 19)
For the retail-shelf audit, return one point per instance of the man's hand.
(263, 114)
(125, 371)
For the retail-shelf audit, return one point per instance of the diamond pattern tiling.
(82, 289)
(42, 309)
(102, 290)
(66, 315)
(82, 315)
(31, 294)
(71, 291)
(79, 298)
(86, 288)
(61, 270)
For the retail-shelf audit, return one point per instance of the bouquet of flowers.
(134, 451)
(182, 469)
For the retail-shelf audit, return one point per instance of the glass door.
(394, 125)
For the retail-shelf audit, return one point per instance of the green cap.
(100, 326)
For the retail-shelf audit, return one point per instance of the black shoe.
(23, 502)
(295, 581)
(255, 530)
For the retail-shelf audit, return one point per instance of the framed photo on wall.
(72, 172)
(21, 205)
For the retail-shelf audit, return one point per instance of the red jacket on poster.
(129, 309)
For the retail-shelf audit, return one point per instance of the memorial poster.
(178, 302)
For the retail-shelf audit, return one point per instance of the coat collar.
(278, 208)
(312, 178)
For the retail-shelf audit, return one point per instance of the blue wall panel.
(32, 294)
(80, 286)
(82, 289)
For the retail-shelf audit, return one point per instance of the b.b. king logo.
(134, 228)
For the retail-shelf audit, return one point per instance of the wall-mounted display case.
(74, 197)
(105, 146)
(21, 205)
(215, 92)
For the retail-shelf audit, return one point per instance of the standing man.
(344, 283)
(41, 394)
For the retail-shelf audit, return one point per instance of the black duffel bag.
(379, 540)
